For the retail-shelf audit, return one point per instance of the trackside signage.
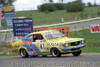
(9, 14)
(95, 28)
(22, 26)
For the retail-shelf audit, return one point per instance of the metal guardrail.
(57, 24)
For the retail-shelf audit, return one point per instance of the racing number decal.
(42, 46)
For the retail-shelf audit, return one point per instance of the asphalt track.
(49, 61)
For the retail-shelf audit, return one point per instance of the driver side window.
(33, 38)
(37, 37)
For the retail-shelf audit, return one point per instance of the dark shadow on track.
(37, 57)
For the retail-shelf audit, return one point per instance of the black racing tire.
(77, 53)
(44, 55)
(55, 52)
(34, 56)
(23, 53)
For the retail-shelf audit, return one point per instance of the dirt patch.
(5, 47)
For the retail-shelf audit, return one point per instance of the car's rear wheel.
(23, 53)
(77, 53)
(55, 52)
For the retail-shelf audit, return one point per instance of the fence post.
(4, 37)
(62, 19)
(12, 39)
(38, 22)
(16, 38)
(84, 33)
(76, 18)
(0, 22)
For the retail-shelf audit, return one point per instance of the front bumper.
(74, 48)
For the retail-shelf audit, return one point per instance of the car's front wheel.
(77, 53)
(55, 52)
(23, 53)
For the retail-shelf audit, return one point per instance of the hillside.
(40, 18)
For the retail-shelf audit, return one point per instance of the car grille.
(75, 43)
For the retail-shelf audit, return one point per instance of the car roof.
(41, 32)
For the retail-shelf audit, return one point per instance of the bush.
(89, 4)
(59, 6)
(46, 7)
(51, 7)
(74, 7)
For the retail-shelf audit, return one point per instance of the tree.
(89, 4)
(79, 1)
(46, 8)
(95, 3)
(61, 1)
(50, 1)
(74, 7)
(6, 2)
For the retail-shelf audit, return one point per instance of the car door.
(40, 43)
(36, 44)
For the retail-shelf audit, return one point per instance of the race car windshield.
(53, 35)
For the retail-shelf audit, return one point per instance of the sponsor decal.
(31, 53)
(25, 45)
(8, 8)
(47, 49)
(45, 52)
(38, 53)
(9, 14)
(59, 47)
(95, 28)
(22, 26)
(42, 46)
(52, 44)
(16, 50)
(16, 46)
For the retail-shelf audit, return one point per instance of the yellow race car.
(49, 42)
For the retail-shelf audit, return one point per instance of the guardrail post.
(4, 37)
(16, 38)
(12, 39)
(0, 22)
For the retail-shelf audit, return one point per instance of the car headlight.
(83, 41)
(65, 44)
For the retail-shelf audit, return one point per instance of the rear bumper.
(74, 48)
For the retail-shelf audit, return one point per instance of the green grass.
(91, 39)
(91, 50)
(55, 17)
(11, 54)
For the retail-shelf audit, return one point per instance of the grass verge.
(91, 50)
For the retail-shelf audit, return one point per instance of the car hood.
(66, 40)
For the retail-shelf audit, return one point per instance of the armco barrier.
(64, 30)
